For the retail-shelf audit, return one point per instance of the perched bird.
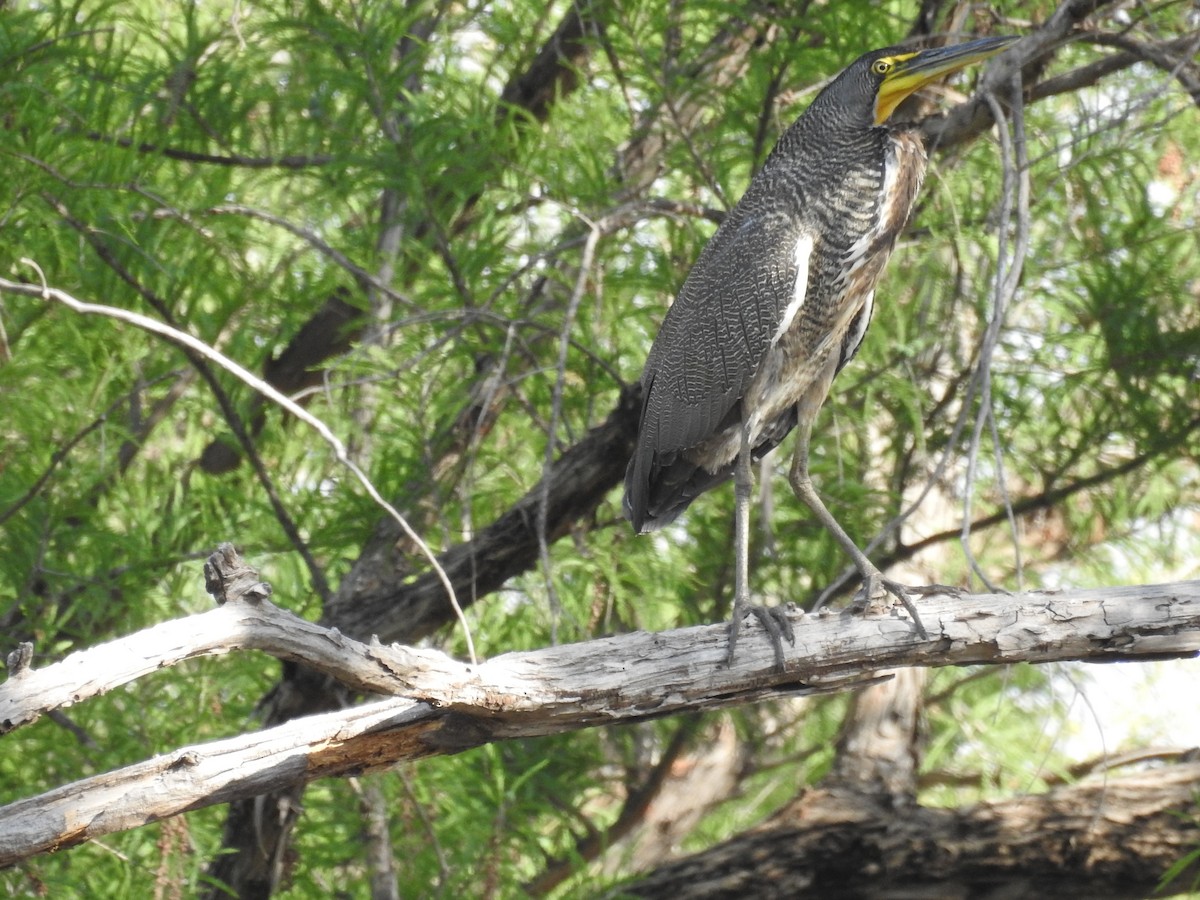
(779, 301)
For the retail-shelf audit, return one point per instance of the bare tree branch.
(1103, 840)
(231, 161)
(197, 349)
(446, 706)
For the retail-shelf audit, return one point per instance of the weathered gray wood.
(446, 706)
(632, 675)
(668, 670)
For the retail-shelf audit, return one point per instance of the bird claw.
(870, 600)
(777, 624)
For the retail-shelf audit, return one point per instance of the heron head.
(895, 74)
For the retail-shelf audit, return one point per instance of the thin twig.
(1020, 251)
(153, 326)
(234, 161)
(564, 343)
(228, 411)
(64, 450)
(57, 457)
(1008, 275)
(365, 279)
(445, 873)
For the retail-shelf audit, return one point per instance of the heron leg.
(775, 621)
(807, 494)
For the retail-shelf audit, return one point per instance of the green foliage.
(230, 169)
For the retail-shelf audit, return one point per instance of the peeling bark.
(446, 706)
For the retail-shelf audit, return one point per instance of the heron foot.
(776, 622)
(871, 595)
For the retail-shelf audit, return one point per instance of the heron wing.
(750, 280)
(718, 331)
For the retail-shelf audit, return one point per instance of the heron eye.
(881, 67)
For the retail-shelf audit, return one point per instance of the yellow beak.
(911, 72)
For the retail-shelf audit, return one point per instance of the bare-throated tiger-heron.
(778, 302)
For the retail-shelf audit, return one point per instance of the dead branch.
(446, 706)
